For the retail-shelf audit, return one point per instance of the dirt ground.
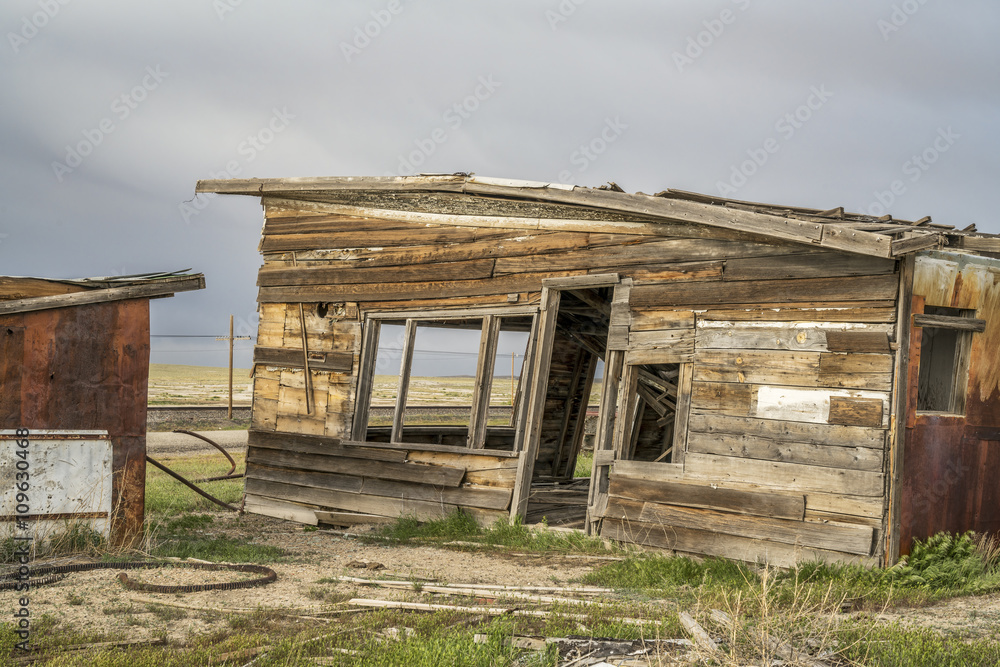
(96, 602)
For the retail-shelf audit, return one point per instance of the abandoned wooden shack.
(779, 383)
(74, 369)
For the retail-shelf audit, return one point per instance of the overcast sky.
(112, 111)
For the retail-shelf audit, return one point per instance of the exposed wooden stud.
(486, 361)
(403, 388)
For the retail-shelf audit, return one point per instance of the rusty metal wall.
(84, 368)
(951, 464)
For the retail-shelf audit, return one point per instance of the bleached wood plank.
(850, 539)
(752, 447)
(704, 496)
(785, 476)
(279, 509)
(786, 431)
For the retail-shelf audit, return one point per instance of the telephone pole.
(231, 338)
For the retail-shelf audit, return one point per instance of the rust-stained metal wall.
(84, 368)
(951, 463)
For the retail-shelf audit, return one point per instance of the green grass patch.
(461, 526)
(898, 646)
(186, 537)
(165, 496)
(584, 464)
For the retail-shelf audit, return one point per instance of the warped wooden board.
(321, 446)
(484, 497)
(368, 504)
(784, 476)
(757, 338)
(707, 543)
(786, 431)
(831, 537)
(394, 291)
(478, 459)
(812, 265)
(755, 447)
(859, 288)
(389, 237)
(340, 275)
(795, 368)
(860, 411)
(659, 252)
(757, 503)
(873, 311)
(332, 224)
(644, 470)
(724, 398)
(677, 354)
(858, 341)
(279, 509)
(296, 423)
(408, 472)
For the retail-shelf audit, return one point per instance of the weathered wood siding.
(786, 357)
(293, 476)
(792, 369)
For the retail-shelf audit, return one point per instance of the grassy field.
(207, 385)
(171, 384)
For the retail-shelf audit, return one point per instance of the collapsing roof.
(834, 228)
(780, 383)
(20, 294)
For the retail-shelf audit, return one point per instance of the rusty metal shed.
(780, 383)
(74, 356)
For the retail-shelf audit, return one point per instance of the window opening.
(944, 362)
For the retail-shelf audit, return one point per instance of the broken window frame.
(963, 324)
(485, 362)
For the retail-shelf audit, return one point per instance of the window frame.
(964, 325)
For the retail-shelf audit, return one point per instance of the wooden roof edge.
(149, 289)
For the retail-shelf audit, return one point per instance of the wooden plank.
(947, 322)
(403, 387)
(279, 509)
(785, 476)
(669, 251)
(805, 404)
(664, 338)
(795, 368)
(460, 457)
(722, 397)
(319, 480)
(897, 430)
(154, 289)
(467, 496)
(485, 363)
(292, 358)
(406, 472)
(536, 402)
(653, 472)
(383, 238)
(753, 447)
(866, 288)
(831, 537)
(661, 355)
(856, 411)
(647, 320)
(341, 275)
(366, 378)
(305, 444)
(364, 503)
(761, 338)
(707, 543)
(396, 291)
(787, 431)
(658, 273)
(682, 412)
(582, 282)
(878, 311)
(756, 503)
(876, 342)
(812, 265)
(604, 438)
